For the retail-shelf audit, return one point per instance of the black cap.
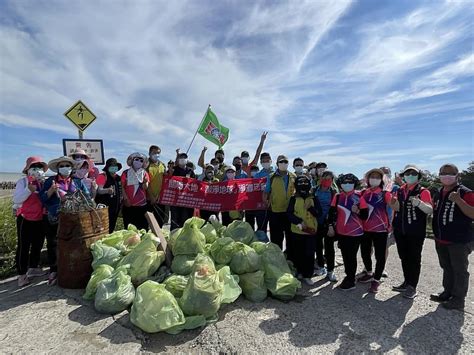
(245, 154)
(265, 155)
(112, 162)
(219, 151)
(321, 164)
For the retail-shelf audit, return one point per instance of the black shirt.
(184, 172)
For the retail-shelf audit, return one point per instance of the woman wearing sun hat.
(412, 204)
(134, 186)
(29, 221)
(53, 192)
(109, 190)
(79, 156)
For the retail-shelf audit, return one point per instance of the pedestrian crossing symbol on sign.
(80, 115)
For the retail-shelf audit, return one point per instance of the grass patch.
(8, 238)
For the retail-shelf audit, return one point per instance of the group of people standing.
(308, 212)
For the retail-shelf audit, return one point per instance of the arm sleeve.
(101, 180)
(268, 186)
(387, 197)
(21, 191)
(425, 196)
(332, 215)
(291, 212)
(469, 198)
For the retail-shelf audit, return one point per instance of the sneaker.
(440, 297)
(23, 280)
(400, 288)
(361, 274)
(454, 303)
(368, 277)
(374, 286)
(384, 274)
(35, 272)
(52, 278)
(331, 276)
(346, 285)
(320, 271)
(308, 281)
(410, 292)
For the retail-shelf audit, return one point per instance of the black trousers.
(113, 216)
(302, 255)
(280, 229)
(135, 215)
(349, 248)
(454, 260)
(31, 235)
(52, 245)
(159, 211)
(206, 214)
(409, 250)
(179, 215)
(379, 242)
(325, 248)
(251, 218)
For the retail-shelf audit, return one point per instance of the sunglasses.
(39, 166)
(138, 159)
(64, 166)
(411, 173)
(283, 161)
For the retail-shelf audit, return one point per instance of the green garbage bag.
(209, 232)
(103, 254)
(155, 309)
(173, 235)
(182, 264)
(100, 273)
(232, 289)
(222, 250)
(144, 259)
(253, 286)
(176, 284)
(190, 240)
(278, 278)
(259, 247)
(207, 249)
(123, 240)
(192, 322)
(240, 231)
(115, 293)
(203, 293)
(244, 259)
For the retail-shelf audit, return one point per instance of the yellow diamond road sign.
(80, 115)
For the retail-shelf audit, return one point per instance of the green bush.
(7, 238)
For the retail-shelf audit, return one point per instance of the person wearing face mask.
(325, 253)
(79, 156)
(303, 211)
(109, 190)
(30, 216)
(218, 160)
(278, 191)
(246, 163)
(452, 227)
(239, 173)
(412, 204)
(298, 165)
(52, 193)
(262, 216)
(251, 216)
(81, 172)
(230, 216)
(209, 177)
(179, 215)
(135, 181)
(345, 222)
(376, 227)
(156, 170)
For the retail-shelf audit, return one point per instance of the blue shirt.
(268, 187)
(264, 173)
(242, 175)
(324, 198)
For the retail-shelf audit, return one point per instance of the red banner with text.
(240, 194)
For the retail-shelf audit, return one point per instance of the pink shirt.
(348, 223)
(377, 201)
(136, 194)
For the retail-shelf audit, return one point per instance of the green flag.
(212, 130)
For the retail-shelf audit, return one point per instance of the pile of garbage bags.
(212, 266)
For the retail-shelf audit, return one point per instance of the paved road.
(320, 320)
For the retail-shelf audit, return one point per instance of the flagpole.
(195, 134)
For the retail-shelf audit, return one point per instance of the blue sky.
(356, 84)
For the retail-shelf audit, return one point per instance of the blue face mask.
(155, 157)
(410, 179)
(113, 169)
(347, 187)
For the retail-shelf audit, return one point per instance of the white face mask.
(82, 173)
(283, 166)
(230, 176)
(267, 165)
(374, 182)
(65, 171)
(155, 157)
(37, 173)
(298, 169)
(312, 171)
(182, 162)
(245, 160)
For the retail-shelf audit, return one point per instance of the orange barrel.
(76, 233)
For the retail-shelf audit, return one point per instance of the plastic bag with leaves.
(190, 240)
(100, 273)
(115, 293)
(245, 259)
